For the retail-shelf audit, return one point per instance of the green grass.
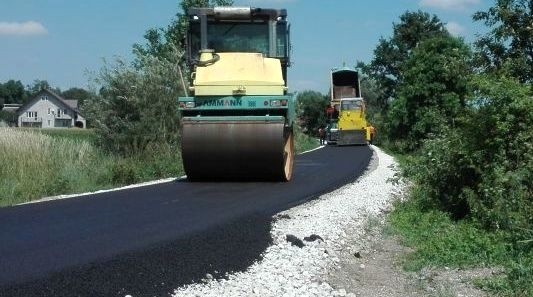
(34, 165)
(39, 163)
(303, 142)
(68, 133)
(439, 241)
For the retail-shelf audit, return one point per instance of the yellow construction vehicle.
(238, 121)
(347, 114)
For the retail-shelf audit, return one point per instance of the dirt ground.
(370, 266)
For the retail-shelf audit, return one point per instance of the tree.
(372, 94)
(76, 93)
(390, 54)
(13, 92)
(432, 92)
(310, 109)
(159, 41)
(508, 46)
(39, 85)
(484, 166)
(136, 110)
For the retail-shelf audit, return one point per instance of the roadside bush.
(123, 172)
(484, 166)
(302, 141)
(137, 105)
(311, 111)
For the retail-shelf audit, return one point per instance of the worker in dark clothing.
(322, 135)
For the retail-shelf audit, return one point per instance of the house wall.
(51, 113)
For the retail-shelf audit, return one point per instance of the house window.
(49, 110)
(43, 98)
(32, 114)
(58, 112)
(65, 111)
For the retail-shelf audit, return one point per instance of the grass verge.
(37, 163)
(440, 242)
(303, 142)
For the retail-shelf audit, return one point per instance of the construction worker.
(372, 134)
(322, 135)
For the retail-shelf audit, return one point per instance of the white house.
(49, 110)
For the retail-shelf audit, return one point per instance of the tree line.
(467, 111)
(464, 114)
(14, 92)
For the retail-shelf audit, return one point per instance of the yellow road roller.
(237, 121)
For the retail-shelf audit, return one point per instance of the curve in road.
(147, 241)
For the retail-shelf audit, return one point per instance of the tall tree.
(311, 106)
(39, 85)
(390, 54)
(159, 41)
(432, 92)
(509, 44)
(13, 92)
(76, 93)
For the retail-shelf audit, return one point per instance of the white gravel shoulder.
(287, 270)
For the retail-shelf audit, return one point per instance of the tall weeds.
(33, 165)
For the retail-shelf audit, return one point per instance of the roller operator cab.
(237, 121)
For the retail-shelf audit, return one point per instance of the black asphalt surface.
(147, 241)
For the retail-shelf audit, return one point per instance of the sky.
(66, 41)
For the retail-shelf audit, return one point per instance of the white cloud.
(459, 5)
(22, 28)
(455, 29)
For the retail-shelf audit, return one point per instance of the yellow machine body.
(351, 126)
(237, 120)
(248, 74)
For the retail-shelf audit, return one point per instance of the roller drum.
(242, 150)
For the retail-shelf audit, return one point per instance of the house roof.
(73, 103)
(69, 103)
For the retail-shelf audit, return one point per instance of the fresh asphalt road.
(146, 241)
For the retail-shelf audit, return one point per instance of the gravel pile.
(308, 239)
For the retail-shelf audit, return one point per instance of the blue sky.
(62, 40)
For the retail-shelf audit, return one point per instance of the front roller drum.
(237, 150)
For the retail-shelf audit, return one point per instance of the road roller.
(237, 119)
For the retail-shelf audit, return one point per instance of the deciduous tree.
(311, 106)
(13, 92)
(432, 91)
(391, 53)
(508, 46)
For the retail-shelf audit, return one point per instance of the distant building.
(49, 110)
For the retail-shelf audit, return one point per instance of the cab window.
(351, 105)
